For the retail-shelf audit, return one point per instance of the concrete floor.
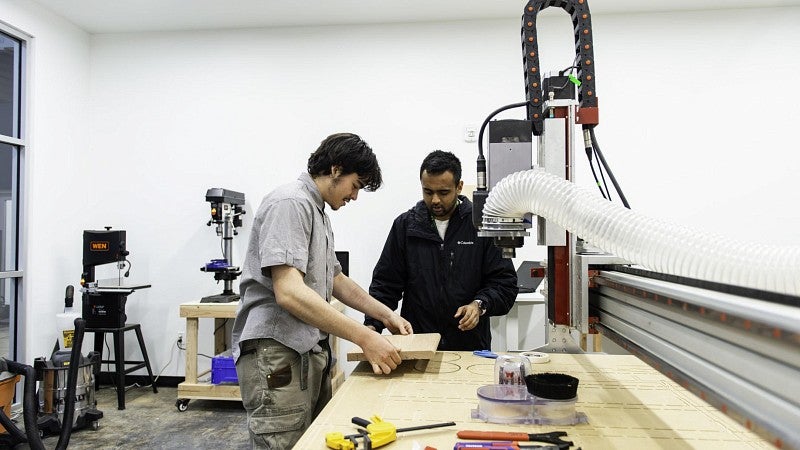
(151, 421)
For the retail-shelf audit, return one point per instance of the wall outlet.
(470, 133)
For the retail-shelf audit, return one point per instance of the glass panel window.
(8, 244)
(9, 293)
(8, 207)
(9, 85)
(12, 146)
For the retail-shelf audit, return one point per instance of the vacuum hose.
(72, 381)
(29, 406)
(658, 245)
(30, 413)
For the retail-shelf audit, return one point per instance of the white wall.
(55, 192)
(697, 117)
(695, 108)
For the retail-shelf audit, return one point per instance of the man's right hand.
(381, 354)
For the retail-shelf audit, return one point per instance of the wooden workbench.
(628, 404)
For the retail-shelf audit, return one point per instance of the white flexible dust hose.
(655, 244)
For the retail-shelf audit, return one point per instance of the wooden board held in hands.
(412, 346)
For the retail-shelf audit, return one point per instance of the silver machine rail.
(738, 353)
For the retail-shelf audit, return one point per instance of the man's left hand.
(398, 325)
(470, 316)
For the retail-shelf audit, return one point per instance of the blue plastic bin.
(223, 370)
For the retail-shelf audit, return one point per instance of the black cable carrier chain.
(584, 51)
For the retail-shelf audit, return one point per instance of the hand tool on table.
(501, 445)
(378, 433)
(553, 437)
(485, 353)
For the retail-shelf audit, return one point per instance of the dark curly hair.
(438, 162)
(352, 154)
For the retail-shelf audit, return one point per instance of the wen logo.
(98, 246)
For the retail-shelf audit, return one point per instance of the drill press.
(227, 208)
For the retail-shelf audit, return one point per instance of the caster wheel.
(182, 404)
(96, 425)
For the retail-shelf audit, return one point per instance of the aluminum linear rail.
(739, 354)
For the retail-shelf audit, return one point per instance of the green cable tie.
(575, 80)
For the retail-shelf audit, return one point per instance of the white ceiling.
(117, 16)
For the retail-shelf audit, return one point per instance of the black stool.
(119, 355)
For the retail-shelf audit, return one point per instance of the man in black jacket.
(450, 280)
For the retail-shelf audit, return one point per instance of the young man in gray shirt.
(290, 274)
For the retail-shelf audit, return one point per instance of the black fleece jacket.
(434, 277)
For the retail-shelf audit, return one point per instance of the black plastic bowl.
(552, 386)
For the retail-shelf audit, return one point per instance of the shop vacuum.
(67, 399)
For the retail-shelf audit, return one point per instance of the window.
(12, 145)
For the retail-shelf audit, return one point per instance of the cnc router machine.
(692, 304)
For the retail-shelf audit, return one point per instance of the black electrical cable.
(573, 66)
(199, 354)
(589, 152)
(608, 169)
(481, 163)
(594, 174)
(562, 72)
(566, 83)
(108, 362)
(488, 118)
(603, 177)
(222, 325)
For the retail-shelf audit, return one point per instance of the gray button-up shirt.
(290, 228)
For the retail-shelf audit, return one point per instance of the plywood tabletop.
(628, 404)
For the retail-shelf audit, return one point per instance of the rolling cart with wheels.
(191, 388)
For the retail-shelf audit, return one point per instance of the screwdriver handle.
(492, 435)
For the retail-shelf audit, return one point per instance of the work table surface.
(629, 405)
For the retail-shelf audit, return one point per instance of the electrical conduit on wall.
(655, 244)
